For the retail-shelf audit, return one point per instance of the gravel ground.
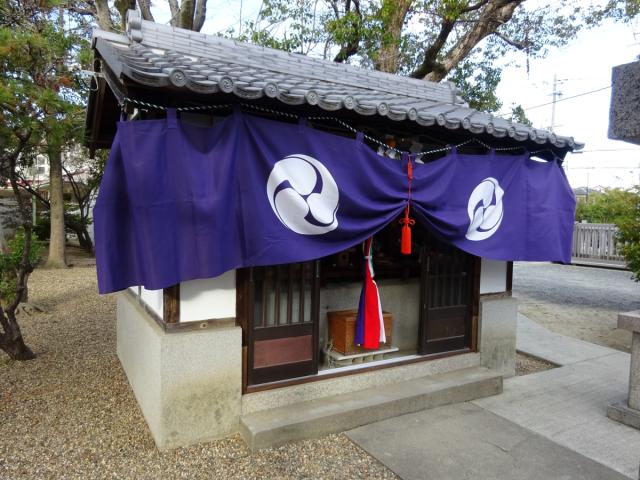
(70, 413)
(526, 364)
(581, 302)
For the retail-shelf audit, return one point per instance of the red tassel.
(405, 240)
(405, 244)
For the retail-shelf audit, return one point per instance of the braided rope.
(443, 149)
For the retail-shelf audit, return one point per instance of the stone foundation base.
(497, 334)
(621, 412)
(188, 383)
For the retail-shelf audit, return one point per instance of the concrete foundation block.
(350, 410)
(621, 412)
(631, 321)
(497, 334)
(188, 384)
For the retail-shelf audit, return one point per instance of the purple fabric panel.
(185, 202)
(538, 205)
(180, 202)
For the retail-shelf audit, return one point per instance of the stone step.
(343, 412)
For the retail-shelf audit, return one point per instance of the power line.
(560, 100)
(607, 150)
(604, 168)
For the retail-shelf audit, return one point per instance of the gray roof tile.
(162, 56)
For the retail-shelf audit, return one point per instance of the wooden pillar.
(171, 304)
(509, 276)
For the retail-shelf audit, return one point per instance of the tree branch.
(145, 10)
(27, 188)
(493, 15)
(430, 61)
(352, 47)
(472, 8)
(103, 16)
(175, 11)
(513, 43)
(25, 267)
(200, 15)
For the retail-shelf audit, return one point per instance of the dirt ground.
(526, 365)
(71, 414)
(581, 302)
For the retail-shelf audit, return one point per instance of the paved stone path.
(534, 339)
(465, 441)
(549, 425)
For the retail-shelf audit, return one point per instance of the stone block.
(343, 412)
(624, 113)
(188, 384)
(629, 321)
(621, 412)
(497, 334)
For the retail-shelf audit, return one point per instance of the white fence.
(596, 243)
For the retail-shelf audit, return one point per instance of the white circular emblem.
(485, 209)
(303, 195)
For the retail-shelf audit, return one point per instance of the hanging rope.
(406, 222)
(444, 149)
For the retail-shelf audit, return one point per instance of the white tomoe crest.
(303, 195)
(485, 209)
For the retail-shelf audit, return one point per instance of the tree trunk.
(87, 243)
(57, 258)
(82, 232)
(394, 14)
(16, 349)
(185, 16)
(103, 15)
(11, 341)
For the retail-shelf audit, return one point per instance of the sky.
(582, 66)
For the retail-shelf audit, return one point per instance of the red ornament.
(405, 241)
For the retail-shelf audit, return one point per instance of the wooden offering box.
(342, 331)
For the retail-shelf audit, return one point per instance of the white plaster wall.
(153, 299)
(188, 384)
(493, 276)
(208, 298)
(497, 334)
(138, 347)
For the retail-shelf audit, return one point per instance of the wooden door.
(446, 297)
(282, 333)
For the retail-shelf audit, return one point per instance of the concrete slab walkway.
(549, 425)
(538, 341)
(464, 441)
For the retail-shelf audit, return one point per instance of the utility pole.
(554, 98)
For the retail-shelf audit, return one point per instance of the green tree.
(41, 111)
(459, 40)
(629, 235)
(622, 208)
(611, 206)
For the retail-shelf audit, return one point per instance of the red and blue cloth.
(369, 322)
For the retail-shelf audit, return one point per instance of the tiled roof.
(161, 56)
